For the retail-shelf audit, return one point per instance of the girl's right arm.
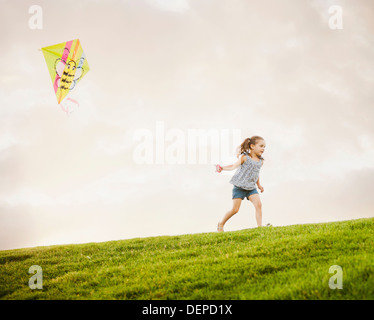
(236, 164)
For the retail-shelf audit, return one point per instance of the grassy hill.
(263, 263)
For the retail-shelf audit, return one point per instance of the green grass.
(262, 263)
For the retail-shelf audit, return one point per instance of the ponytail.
(245, 146)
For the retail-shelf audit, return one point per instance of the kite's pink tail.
(66, 108)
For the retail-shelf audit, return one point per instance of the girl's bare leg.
(235, 208)
(255, 199)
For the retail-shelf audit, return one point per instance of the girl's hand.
(218, 168)
(261, 188)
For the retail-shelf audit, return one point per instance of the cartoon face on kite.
(67, 74)
(67, 64)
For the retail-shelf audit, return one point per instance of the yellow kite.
(67, 64)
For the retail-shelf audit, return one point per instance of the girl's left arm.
(259, 185)
(258, 181)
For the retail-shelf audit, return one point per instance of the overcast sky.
(160, 72)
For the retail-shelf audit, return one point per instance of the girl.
(246, 178)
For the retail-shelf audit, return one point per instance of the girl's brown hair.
(246, 145)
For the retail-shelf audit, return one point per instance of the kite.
(67, 64)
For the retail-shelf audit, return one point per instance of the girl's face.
(259, 147)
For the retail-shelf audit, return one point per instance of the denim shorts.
(241, 193)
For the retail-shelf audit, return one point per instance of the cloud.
(7, 140)
(280, 73)
(170, 5)
(331, 199)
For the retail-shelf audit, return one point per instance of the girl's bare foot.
(219, 227)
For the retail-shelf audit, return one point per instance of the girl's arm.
(259, 185)
(236, 164)
(258, 181)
